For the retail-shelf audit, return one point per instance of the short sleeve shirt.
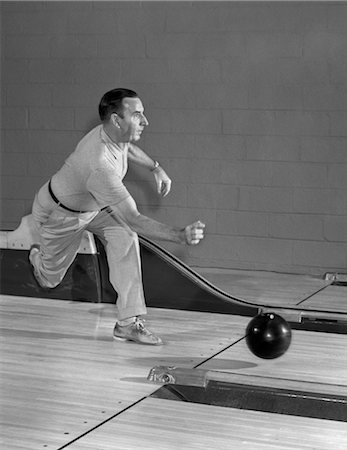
(92, 176)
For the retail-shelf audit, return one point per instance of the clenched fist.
(194, 233)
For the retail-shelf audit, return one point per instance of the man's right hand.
(194, 233)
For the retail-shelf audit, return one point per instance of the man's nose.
(144, 121)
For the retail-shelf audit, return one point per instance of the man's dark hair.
(111, 102)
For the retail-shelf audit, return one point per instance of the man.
(88, 193)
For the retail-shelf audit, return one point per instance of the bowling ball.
(268, 336)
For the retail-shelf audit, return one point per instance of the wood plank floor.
(170, 425)
(62, 376)
(333, 298)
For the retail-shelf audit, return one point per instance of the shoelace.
(140, 325)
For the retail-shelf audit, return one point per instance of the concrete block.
(197, 121)
(176, 198)
(166, 145)
(261, 17)
(141, 17)
(210, 196)
(51, 71)
(242, 223)
(338, 70)
(225, 147)
(220, 96)
(320, 201)
(91, 22)
(195, 45)
(195, 17)
(313, 16)
(264, 45)
(13, 210)
(14, 71)
(265, 199)
(219, 248)
(197, 70)
(71, 46)
(160, 120)
(324, 149)
(14, 164)
(68, 7)
(302, 71)
(249, 173)
(243, 122)
(51, 118)
(42, 22)
(265, 250)
(337, 17)
(89, 71)
(20, 188)
(299, 175)
(277, 97)
(228, 197)
(121, 45)
(143, 193)
(82, 95)
(42, 141)
(337, 176)
(164, 95)
(29, 94)
(325, 98)
(86, 119)
(296, 226)
(314, 253)
(146, 70)
(15, 7)
(324, 44)
(335, 229)
(206, 171)
(304, 123)
(26, 47)
(44, 163)
(338, 123)
(272, 148)
(14, 118)
(239, 71)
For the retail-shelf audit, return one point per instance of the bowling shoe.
(137, 332)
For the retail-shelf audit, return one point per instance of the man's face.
(132, 121)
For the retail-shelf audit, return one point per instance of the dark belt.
(60, 203)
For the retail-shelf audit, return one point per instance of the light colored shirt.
(92, 176)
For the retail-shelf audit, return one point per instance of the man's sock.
(126, 322)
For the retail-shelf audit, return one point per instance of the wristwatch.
(156, 165)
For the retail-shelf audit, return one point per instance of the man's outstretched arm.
(127, 214)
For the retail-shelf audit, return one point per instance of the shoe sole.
(122, 339)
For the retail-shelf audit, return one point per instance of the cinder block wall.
(247, 104)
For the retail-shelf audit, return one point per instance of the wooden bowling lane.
(62, 374)
(314, 361)
(170, 425)
(333, 298)
(66, 384)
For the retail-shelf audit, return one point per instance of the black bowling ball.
(268, 336)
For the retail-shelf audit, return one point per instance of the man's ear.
(115, 120)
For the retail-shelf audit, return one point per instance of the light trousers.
(61, 232)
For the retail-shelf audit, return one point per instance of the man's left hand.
(163, 181)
